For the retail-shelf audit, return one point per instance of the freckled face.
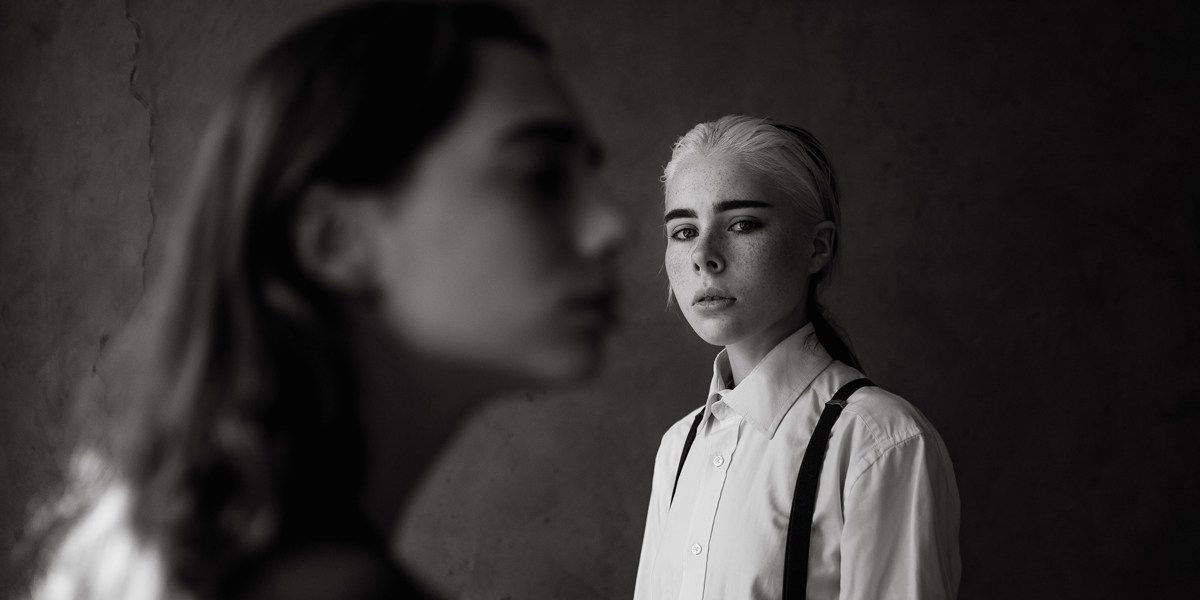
(736, 255)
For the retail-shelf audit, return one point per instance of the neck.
(409, 406)
(746, 354)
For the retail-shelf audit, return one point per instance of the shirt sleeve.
(656, 516)
(900, 538)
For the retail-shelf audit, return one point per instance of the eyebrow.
(722, 206)
(556, 131)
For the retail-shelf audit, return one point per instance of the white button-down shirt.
(886, 517)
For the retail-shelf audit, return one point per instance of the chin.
(716, 332)
(720, 338)
(566, 363)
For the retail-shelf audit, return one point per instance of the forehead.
(701, 181)
(512, 87)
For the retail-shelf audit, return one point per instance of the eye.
(745, 226)
(684, 233)
(548, 182)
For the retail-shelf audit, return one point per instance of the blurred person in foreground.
(392, 219)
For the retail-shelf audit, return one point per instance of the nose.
(602, 229)
(706, 257)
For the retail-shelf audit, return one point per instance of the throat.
(745, 355)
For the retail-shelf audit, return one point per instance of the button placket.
(720, 439)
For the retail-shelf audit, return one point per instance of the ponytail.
(829, 335)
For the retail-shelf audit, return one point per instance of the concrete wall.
(1022, 263)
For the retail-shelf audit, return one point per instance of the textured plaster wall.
(1022, 263)
(75, 216)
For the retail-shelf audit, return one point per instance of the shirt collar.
(766, 394)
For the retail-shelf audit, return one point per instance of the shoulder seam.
(876, 456)
(876, 432)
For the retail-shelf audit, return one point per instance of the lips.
(596, 307)
(712, 298)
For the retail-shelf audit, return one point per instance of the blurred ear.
(823, 236)
(330, 243)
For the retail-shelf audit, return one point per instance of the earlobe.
(824, 236)
(328, 239)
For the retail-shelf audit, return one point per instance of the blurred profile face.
(736, 255)
(496, 251)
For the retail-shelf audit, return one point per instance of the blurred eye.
(548, 182)
(550, 179)
(744, 226)
(683, 234)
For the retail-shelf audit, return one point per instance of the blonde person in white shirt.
(752, 223)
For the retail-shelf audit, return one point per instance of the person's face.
(496, 251)
(736, 256)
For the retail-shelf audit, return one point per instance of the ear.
(329, 240)
(823, 237)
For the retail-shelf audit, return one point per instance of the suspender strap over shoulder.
(804, 499)
(795, 561)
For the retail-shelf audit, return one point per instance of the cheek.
(677, 263)
(774, 266)
(498, 267)
(464, 282)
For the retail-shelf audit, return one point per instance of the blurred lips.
(712, 299)
(594, 308)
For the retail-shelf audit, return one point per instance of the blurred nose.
(603, 229)
(706, 257)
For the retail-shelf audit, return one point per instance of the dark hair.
(239, 422)
(794, 161)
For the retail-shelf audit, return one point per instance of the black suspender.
(804, 499)
(687, 445)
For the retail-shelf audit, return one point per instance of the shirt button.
(696, 548)
(718, 460)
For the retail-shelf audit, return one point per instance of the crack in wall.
(141, 99)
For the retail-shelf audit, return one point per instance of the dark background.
(1022, 262)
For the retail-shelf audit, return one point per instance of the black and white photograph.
(599, 299)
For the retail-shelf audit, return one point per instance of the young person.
(752, 227)
(392, 219)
